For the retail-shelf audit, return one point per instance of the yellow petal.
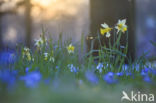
(102, 31)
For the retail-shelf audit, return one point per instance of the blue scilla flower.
(57, 67)
(8, 77)
(145, 71)
(109, 78)
(125, 67)
(136, 67)
(73, 68)
(32, 79)
(91, 77)
(120, 74)
(147, 79)
(128, 74)
(107, 66)
(27, 69)
(149, 70)
(7, 57)
(99, 67)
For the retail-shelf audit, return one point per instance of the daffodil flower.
(105, 30)
(26, 53)
(29, 57)
(39, 42)
(121, 26)
(48, 57)
(70, 49)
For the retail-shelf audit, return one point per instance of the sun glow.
(43, 3)
(56, 9)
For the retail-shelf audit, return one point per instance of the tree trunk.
(1, 42)
(28, 22)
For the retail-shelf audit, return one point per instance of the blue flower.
(147, 79)
(99, 67)
(73, 68)
(145, 71)
(27, 69)
(128, 74)
(8, 77)
(109, 78)
(91, 77)
(120, 74)
(57, 67)
(7, 57)
(149, 70)
(32, 79)
(125, 67)
(136, 67)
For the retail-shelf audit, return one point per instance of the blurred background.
(21, 21)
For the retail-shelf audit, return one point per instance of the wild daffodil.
(105, 30)
(121, 26)
(40, 42)
(26, 53)
(70, 49)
